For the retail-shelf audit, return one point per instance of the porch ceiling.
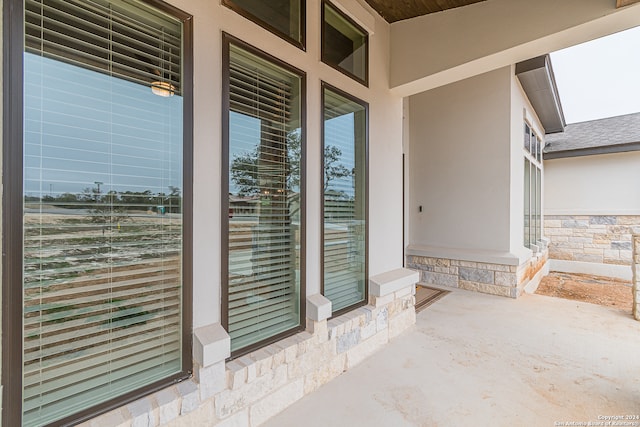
(395, 10)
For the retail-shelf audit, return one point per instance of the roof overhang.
(539, 83)
(593, 151)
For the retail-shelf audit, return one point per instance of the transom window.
(345, 45)
(97, 280)
(285, 18)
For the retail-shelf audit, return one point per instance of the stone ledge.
(318, 307)
(211, 344)
(484, 256)
(392, 281)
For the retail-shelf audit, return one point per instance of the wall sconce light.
(164, 89)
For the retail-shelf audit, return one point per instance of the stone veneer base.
(249, 390)
(495, 279)
(636, 276)
(600, 239)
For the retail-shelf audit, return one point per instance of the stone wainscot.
(490, 278)
(249, 390)
(636, 276)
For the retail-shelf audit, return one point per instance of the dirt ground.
(605, 291)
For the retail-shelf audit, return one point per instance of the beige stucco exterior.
(593, 185)
(456, 132)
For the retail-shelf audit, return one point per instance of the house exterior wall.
(591, 213)
(385, 128)
(250, 389)
(466, 167)
(593, 185)
(455, 132)
(265, 381)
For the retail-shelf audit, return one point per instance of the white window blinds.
(344, 200)
(118, 38)
(102, 277)
(263, 287)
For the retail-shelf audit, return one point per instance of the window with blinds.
(103, 204)
(262, 284)
(344, 200)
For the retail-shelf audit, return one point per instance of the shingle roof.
(592, 137)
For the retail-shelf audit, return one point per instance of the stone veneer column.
(636, 276)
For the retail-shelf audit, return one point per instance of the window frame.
(227, 40)
(534, 157)
(12, 219)
(323, 86)
(302, 44)
(347, 18)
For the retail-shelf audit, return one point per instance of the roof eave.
(539, 84)
(592, 151)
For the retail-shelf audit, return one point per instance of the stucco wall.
(459, 164)
(385, 203)
(466, 171)
(593, 185)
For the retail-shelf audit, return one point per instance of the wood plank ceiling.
(397, 10)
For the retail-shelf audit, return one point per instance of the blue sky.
(600, 78)
(83, 127)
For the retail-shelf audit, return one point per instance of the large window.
(344, 178)
(97, 164)
(264, 144)
(286, 18)
(345, 45)
(532, 187)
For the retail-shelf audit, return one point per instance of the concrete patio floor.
(479, 360)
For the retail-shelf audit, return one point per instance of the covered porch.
(476, 359)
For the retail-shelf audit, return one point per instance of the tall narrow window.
(527, 203)
(345, 45)
(532, 187)
(103, 207)
(264, 141)
(285, 18)
(344, 200)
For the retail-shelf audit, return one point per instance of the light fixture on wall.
(161, 87)
(164, 89)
